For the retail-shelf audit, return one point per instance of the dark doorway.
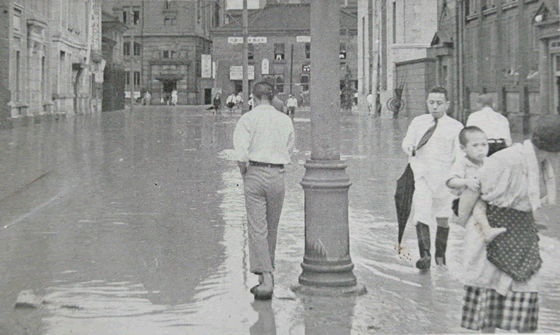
(168, 87)
(207, 96)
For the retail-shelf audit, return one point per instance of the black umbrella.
(403, 198)
(405, 185)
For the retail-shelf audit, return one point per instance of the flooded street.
(134, 223)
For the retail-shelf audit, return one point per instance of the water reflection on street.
(134, 223)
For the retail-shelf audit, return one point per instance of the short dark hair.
(263, 90)
(485, 100)
(546, 134)
(439, 89)
(463, 134)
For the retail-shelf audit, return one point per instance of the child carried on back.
(463, 175)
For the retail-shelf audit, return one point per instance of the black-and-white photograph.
(290, 167)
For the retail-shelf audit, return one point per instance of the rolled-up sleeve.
(410, 138)
(457, 170)
(291, 141)
(242, 140)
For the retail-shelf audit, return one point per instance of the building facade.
(509, 49)
(164, 47)
(113, 73)
(52, 51)
(393, 41)
(279, 51)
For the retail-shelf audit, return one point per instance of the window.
(169, 21)
(126, 48)
(216, 15)
(168, 4)
(17, 19)
(136, 17)
(137, 48)
(124, 16)
(173, 54)
(127, 78)
(305, 82)
(251, 50)
(165, 53)
(137, 78)
(279, 51)
(394, 22)
(279, 84)
(18, 83)
(342, 54)
(307, 50)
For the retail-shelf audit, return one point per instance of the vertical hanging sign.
(265, 69)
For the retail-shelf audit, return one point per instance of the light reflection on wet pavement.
(134, 223)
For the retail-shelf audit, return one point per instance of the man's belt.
(270, 165)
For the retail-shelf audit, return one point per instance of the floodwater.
(134, 223)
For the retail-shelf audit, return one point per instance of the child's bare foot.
(491, 233)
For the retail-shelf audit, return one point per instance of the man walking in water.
(263, 141)
(431, 142)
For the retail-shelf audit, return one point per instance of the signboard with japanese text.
(251, 40)
(303, 39)
(265, 66)
(236, 72)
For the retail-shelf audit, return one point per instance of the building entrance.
(168, 87)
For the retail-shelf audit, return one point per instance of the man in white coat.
(494, 124)
(431, 142)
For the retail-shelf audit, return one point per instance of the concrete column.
(545, 78)
(327, 265)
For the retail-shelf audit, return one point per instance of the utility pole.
(327, 265)
(131, 76)
(245, 58)
(522, 28)
(370, 46)
(291, 67)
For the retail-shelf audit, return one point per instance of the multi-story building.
(76, 55)
(114, 73)
(279, 50)
(393, 41)
(164, 46)
(51, 50)
(509, 49)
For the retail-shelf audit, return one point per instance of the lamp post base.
(327, 266)
(352, 291)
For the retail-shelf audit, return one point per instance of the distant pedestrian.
(369, 100)
(263, 141)
(239, 100)
(251, 102)
(501, 278)
(147, 98)
(174, 97)
(230, 102)
(495, 125)
(431, 143)
(292, 105)
(217, 102)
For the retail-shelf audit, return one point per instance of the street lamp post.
(327, 265)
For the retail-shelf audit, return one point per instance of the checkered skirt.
(485, 308)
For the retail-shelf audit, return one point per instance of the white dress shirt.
(494, 124)
(264, 135)
(434, 160)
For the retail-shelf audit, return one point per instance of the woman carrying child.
(501, 277)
